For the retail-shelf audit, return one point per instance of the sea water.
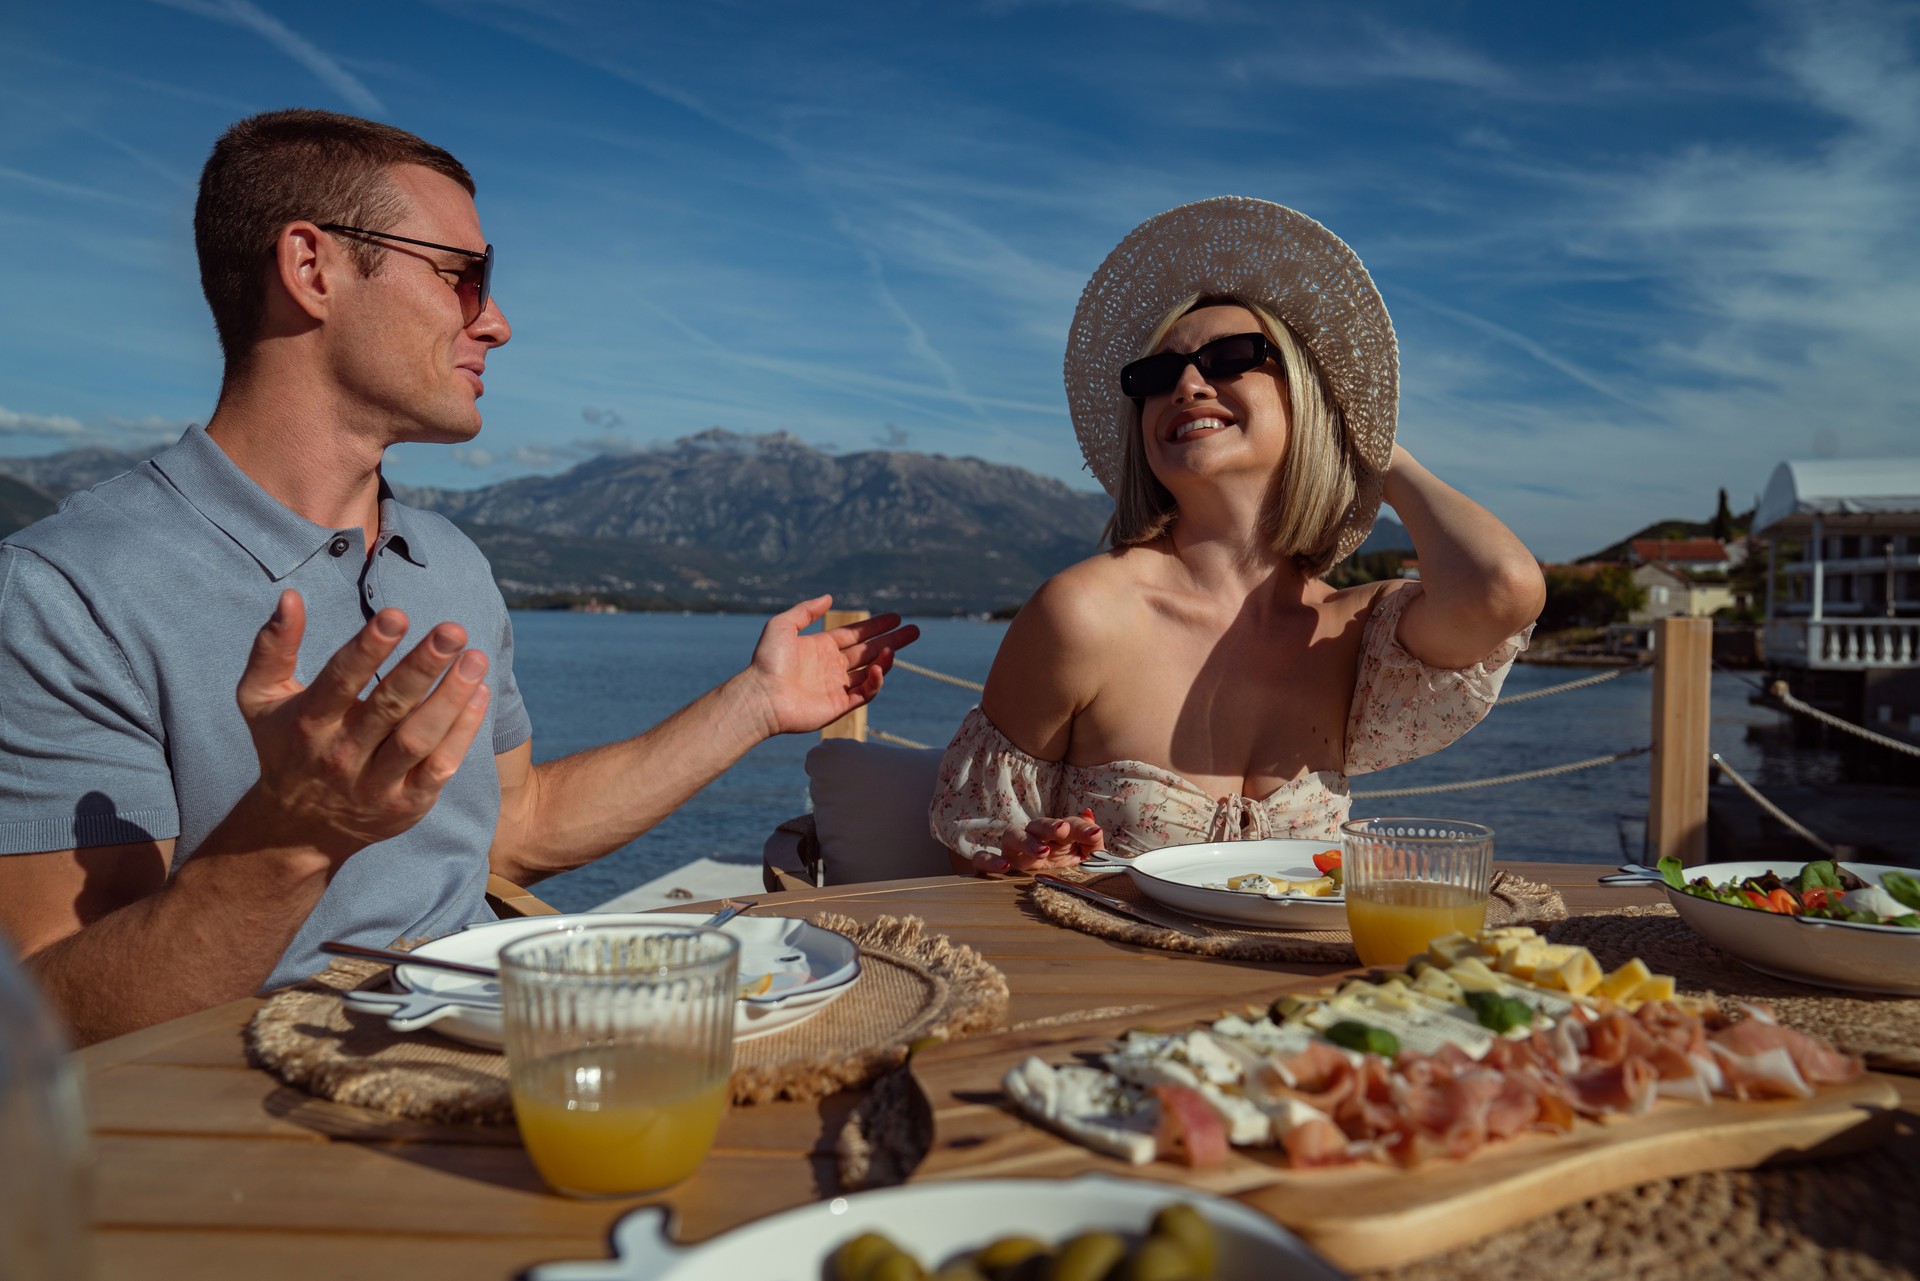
(594, 678)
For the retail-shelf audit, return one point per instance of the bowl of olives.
(1093, 1228)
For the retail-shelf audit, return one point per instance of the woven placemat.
(1514, 901)
(1885, 1029)
(913, 986)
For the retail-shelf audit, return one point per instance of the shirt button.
(369, 591)
(338, 547)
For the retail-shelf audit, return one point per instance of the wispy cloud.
(15, 423)
(326, 68)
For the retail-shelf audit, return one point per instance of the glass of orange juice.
(1410, 880)
(619, 1046)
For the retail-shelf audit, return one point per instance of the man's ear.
(307, 268)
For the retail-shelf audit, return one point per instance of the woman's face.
(1213, 428)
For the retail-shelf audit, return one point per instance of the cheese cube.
(1473, 975)
(1579, 974)
(1625, 981)
(1657, 988)
(1523, 958)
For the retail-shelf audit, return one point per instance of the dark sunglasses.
(1221, 358)
(475, 278)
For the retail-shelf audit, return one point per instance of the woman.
(1234, 383)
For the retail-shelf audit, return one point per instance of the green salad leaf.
(1819, 875)
(1903, 887)
(1670, 868)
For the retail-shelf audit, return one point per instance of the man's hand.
(344, 771)
(808, 681)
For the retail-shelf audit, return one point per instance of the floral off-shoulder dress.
(1402, 709)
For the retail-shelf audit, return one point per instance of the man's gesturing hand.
(813, 679)
(343, 772)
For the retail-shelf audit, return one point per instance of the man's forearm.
(575, 809)
(213, 934)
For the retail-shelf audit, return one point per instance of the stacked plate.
(789, 971)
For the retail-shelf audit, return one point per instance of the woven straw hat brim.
(1263, 252)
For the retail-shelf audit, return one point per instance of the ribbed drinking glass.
(1410, 880)
(619, 1046)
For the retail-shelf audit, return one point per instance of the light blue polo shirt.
(125, 622)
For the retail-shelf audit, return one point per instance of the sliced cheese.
(1473, 975)
(1088, 1106)
(1658, 987)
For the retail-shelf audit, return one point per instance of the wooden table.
(207, 1168)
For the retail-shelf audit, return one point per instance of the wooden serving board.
(1372, 1215)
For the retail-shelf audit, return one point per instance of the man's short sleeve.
(83, 759)
(511, 724)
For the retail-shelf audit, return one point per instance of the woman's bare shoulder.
(1087, 602)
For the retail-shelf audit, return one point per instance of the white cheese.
(1088, 1106)
(1875, 900)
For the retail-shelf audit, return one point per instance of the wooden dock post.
(1682, 712)
(854, 724)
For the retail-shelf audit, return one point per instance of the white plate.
(1176, 876)
(936, 1221)
(1859, 958)
(812, 968)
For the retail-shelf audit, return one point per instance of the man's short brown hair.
(274, 169)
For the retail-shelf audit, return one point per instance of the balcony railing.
(1844, 643)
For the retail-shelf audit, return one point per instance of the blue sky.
(1633, 252)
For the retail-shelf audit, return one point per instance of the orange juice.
(615, 1120)
(1394, 920)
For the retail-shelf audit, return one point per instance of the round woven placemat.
(1514, 900)
(913, 986)
(1885, 1029)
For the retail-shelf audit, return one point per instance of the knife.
(1138, 911)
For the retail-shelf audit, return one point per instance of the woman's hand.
(1043, 845)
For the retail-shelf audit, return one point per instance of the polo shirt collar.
(275, 535)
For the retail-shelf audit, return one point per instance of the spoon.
(729, 908)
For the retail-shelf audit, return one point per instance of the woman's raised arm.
(1481, 584)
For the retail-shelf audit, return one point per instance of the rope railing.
(1549, 772)
(1780, 694)
(1615, 674)
(1797, 829)
(903, 665)
(895, 739)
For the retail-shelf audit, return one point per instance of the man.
(348, 277)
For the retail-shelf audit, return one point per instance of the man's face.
(403, 349)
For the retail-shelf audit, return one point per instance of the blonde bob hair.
(1313, 488)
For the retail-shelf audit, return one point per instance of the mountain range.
(721, 520)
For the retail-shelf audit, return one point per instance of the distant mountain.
(1388, 535)
(721, 520)
(21, 504)
(74, 469)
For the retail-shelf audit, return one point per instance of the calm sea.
(590, 679)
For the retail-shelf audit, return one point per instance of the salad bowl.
(1855, 957)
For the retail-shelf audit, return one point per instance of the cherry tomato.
(1783, 901)
(1324, 863)
(1758, 899)
(1818, 897)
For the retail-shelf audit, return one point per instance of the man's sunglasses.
(475, 278)
(1221, 358)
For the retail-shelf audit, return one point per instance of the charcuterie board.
(1375, 1215)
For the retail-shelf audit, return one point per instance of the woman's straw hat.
(1262, 252)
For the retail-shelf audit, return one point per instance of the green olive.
(1157, 1259)
(1087, 1257)
(856, 1260)
(1006, 1254)
(961, 1269)
(1181, 1222)
(897, 1267)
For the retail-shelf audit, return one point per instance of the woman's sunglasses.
(1221, 358)
(474, 278)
